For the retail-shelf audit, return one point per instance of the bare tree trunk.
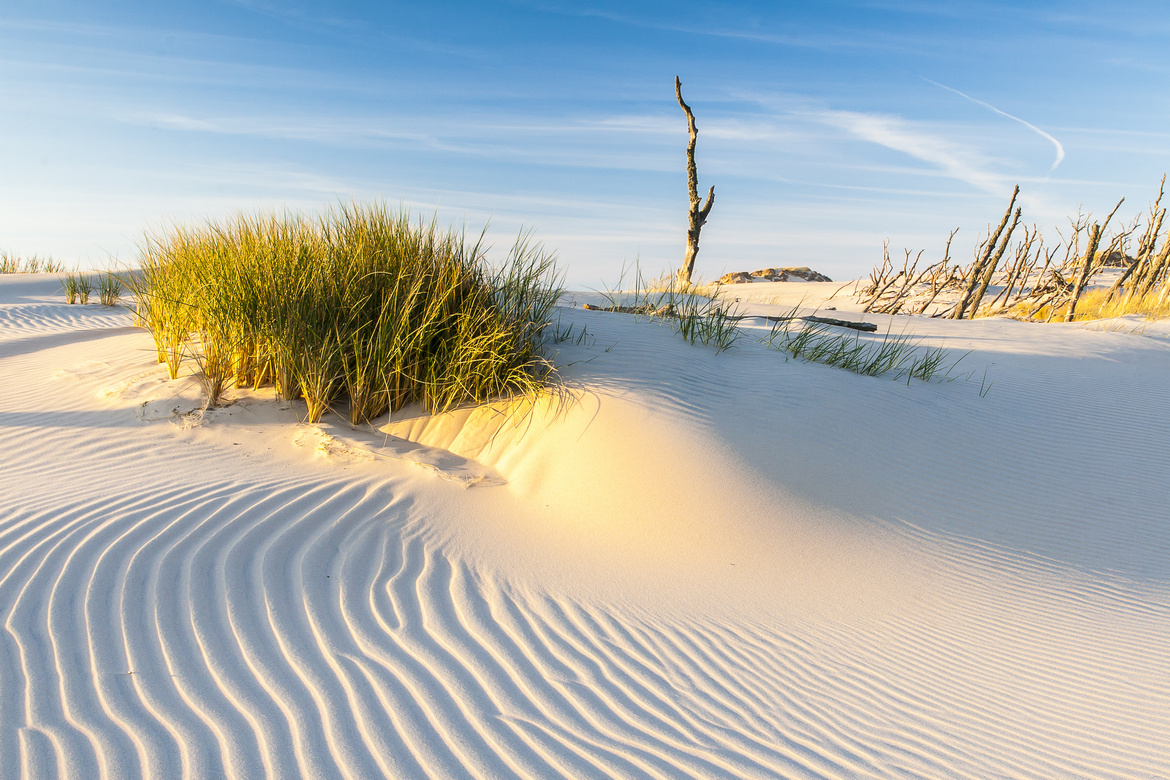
(1023, 252)
(1089, 265)
(989, 271)
(1141, 263)
(976, 274)
(1086, 271)
(698, 214)
(1157, 266)
(1145, 258)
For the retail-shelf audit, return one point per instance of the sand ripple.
(174, 609)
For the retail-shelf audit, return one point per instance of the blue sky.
(825, 127)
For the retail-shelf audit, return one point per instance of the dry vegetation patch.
(1091, 273)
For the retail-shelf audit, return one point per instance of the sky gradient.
(825, 127)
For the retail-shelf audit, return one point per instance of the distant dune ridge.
(801, 274)
(699, 565)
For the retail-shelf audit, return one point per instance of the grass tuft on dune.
(15, 264)
(359, 303)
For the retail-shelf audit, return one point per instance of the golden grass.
(1098, 305)
(357, 305)
(15, 264)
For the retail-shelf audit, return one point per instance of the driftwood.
(888, 294)
(669, 311)
(1020, 270)
(867, 327)
(644, 309)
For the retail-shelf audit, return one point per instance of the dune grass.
(699, 316)
(692, 310)
(110, 288)
(14, 264)
(358, 304)
(70, 284)
(83, 287)
(899, 354)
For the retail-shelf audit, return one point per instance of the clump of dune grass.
(572, 336)
(15, 264)
(702, 320)
(694, 311)
(898, 355)
(78, 287)
(359, 305)
(70, 284)
(84, 286)
(109, 288)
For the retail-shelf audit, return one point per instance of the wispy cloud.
(295, 128)
(594, 144)
(822, 40)
(1025, 123)
(893, 132)
(289, 14)
(176, 122)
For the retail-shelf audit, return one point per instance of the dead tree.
(984, 267)
(1146, 258)
(881, 284)
(698, 214)
(1019, 269)
(1089, 264)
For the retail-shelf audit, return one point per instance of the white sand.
(708, 566)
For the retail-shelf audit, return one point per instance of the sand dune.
(701, 566)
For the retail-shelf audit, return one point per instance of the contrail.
(1029, 125)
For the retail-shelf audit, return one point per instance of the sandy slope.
(707, 566)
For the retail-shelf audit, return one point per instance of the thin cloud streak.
(485, 141)
(818, 41)
(896, 133)
(1029, 125)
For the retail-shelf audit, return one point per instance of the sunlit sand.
(684, 565)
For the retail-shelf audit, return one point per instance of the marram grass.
(358, 305)
(109, 288)
(15, 264)
(699, 316)
(899, 355)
